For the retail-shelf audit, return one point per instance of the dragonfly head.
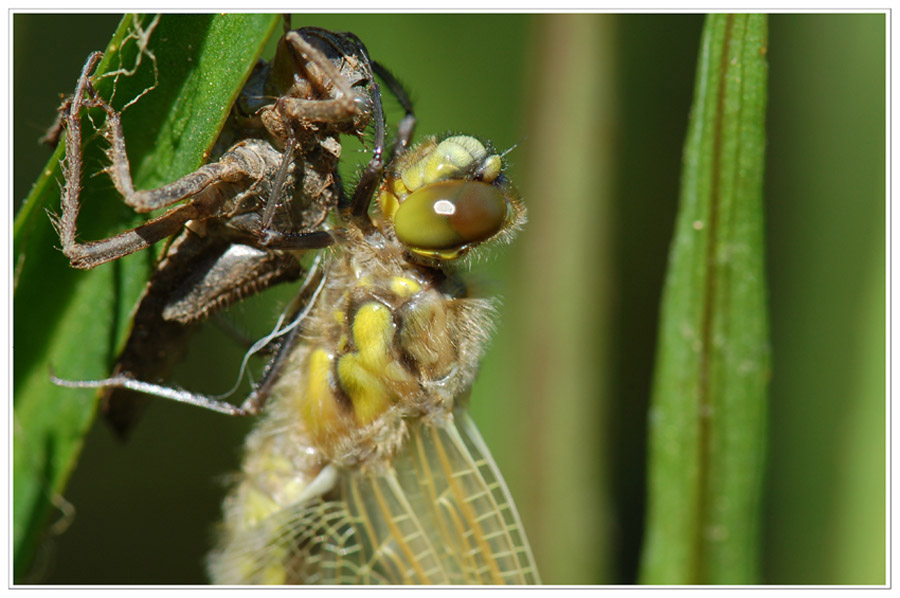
(446, 197)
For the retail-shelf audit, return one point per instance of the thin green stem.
(709, 398)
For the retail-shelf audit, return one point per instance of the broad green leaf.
(75, 321)
(708, 412)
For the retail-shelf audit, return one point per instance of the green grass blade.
(707, 418)
(76, 320)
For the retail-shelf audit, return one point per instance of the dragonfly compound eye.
(444, 217)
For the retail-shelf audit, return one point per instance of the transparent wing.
(441, 514)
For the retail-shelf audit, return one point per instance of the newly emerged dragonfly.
(365, 467)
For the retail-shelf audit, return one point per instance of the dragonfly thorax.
(393, 342)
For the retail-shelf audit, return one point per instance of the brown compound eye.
(446, 216)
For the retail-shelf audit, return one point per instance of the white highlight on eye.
(444, 207)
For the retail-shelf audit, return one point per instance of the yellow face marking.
(491, 168)
(452, 157)
(388, 201)
(448, 160)
(399, 187)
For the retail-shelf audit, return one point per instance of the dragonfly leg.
(236, 166)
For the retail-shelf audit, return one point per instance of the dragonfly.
(364, 466)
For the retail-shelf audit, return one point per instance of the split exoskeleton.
(243, 219)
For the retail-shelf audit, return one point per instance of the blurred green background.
(596, 107)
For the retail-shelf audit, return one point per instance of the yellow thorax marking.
(405, 287)
(361, 373)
